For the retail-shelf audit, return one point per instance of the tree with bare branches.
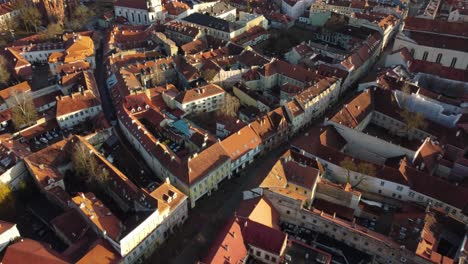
(413, 121)
(364, 168)
(158, 78)
(86, 165)
(80, 17)
(23, 110)
(52, 32)
(230, 106)
(29, 15)
(4, 73)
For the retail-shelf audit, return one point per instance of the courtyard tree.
(7, 201)
(158, 77)
(23, 110)
(413, 121)
(86, 165)
(53, 30)
(230, 106)
(364, 168)
(29, 15)
(81, 16)
(4, 73)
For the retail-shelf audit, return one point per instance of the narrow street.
(190, 243)
(100, 75)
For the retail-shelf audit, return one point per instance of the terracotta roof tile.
(238, 144)
(101, 252)
(76, 102)
(31, 251)
(99, 214)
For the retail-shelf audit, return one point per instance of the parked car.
(44, 140)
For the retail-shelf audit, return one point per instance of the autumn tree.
(230, 106)
(8, 24)
(349, 166)
(7, 200)
(364, 168)
(23, 110)
(86, 165)
(53, 30)
(4, 73)
(30, 17)
(80, 17)
(413, 121)
(158, 77)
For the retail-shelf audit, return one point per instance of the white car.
(43, 140)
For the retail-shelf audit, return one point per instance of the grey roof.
(217, 9)
(212, 22)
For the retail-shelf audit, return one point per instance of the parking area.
(46, 138)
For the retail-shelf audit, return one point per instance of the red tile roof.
(229, 246)
(5, 226)
(355, 110)
(76, 102)
(259, 210)
(436, 26)
(199, 93)
(31, 251)
(238, 144)
(264, 237)
(99, 214)
(136, 4)
(101, 252)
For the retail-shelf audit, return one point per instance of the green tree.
(23, 110)
(4, 73)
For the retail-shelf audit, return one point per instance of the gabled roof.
(76, 102)
(136, 4)
(264, 237)
(92, 208)
(259, 210)
(199, 93)
(31, 251)
(206, 161)
(229, 246)
(355, 110)
(101, 252)
(436, 26)
(6, 93)
(238, 144)
(288, 170)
